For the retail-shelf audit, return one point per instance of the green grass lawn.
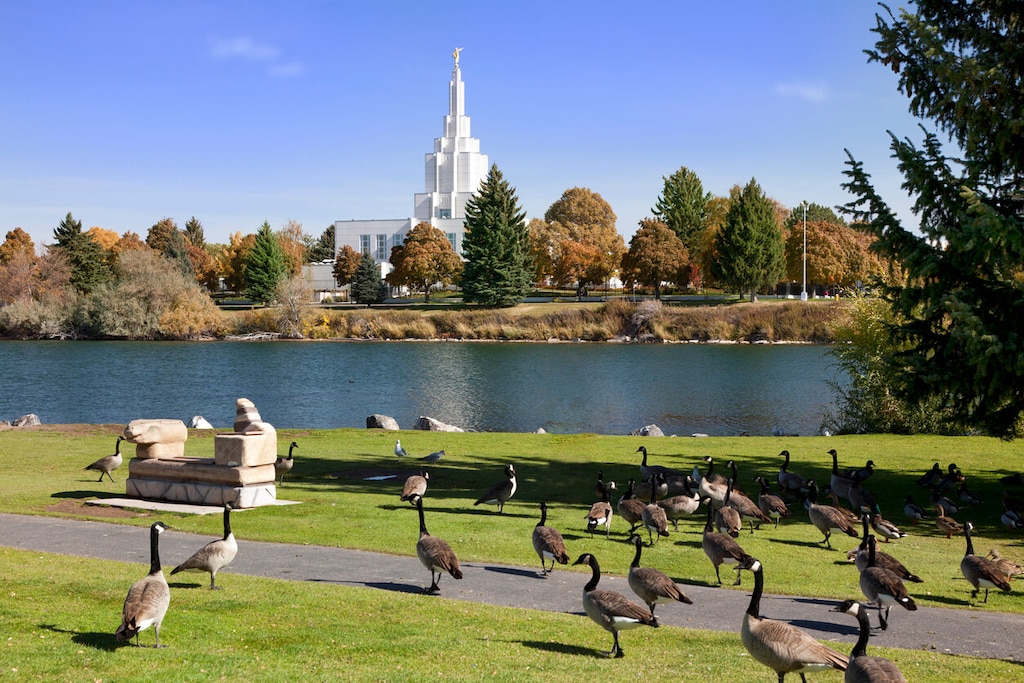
(42, 471)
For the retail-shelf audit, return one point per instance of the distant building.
(452, 173)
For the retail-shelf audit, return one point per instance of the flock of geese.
(661, 495)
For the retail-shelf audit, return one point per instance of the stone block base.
(195, 493)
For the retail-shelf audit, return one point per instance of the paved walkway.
(980, 632)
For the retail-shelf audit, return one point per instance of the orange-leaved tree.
(424, 258)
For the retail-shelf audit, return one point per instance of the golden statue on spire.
(455, 55)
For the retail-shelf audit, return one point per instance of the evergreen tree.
(499, 269)
(367, 285)
(323, 248)
(264, 265)
(194, 232)
(683, 206)
(750, 246)
(177, 251)
(160, 234)
(86, 259)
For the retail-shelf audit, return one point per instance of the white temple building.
(452, 173)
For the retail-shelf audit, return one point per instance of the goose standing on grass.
(712, 485)
(654, 519)
(790, 483)
(883, 588)
(399, 451)
(860, 557)
(771, 505)
(435, 554)
(283, 465)
(630, 508)
(601, 512)
(721, 548)
(415, 485)
(679, 506)
(148, 597)
(548, 543)
(864, 669)
(848, 513)
(861, 473)
(213, 556)
(648, 471)
(914, 512)
(652, 585)
(727, 518)
(981, 572)
(610, 610)
(780, 646)
(861, 500)
(946, 525)
(500, 492)
(748, 510)
(837, 482)
(825, 518)
(108, 463)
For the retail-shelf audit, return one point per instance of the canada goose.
(727, 518)
(837, 482)
(548, 543)
(630, 508)
(780, 646)
(931, 477)
(861, 473)
(825, 517)
(399, 451)
(864, 669)
(655, 486)
(981, 572)
(415, 485)
(859, 555)
(790, 483)
(601, 512)
(883, 588)
(679, 506)
(148, 597)
(435, 554)
(108, 463)
(947, 525)
(610, 610)
(861, 500)
(720, 548)
(599, 487)
(652, 585)
(433, 457)
(748, 510)
(653, 517)
(968, 496)
(283, 465)
(712, 485)
(914, 512)
(1005, 565)
(500, 492)
(847, 512)
(213, 556)
(647, 471)
(771, 505)
(884, 527)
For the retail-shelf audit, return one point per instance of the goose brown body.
(610, 610)
(721, 548)
(108, 463)
(213, 556)
(283, 465)
(825, 517)
(148, 598)
(651, 585)
(601, 512)
(771, 505)
(415, 485)
(548, 543)
(883, 588)
(981, 572)
(862, 668)
(630, 508)
(502, 491)
(435, 554)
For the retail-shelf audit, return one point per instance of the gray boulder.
(429, 424)
(199, 422)
(649, 430)
(377, 421)
(30, 420)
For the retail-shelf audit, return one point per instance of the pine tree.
(177, 251)
(264, 266)
(367, 285)
(683, 206)
(194, 232)
(499, 269)
(750, 244)
(86, 258)
(323, 248)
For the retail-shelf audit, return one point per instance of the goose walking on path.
(883, 588)
(721, 548)
(500, 492)
(148, 598)
(435, 554)
(415, 486)
(108, 463)
(651, 585)
(860, 557)
(864, 669)
(213, 556)
(981, 572)
(780, 646)
(283, 465)
(610, 610)
(548, 543)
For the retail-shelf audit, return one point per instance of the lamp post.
(803, 292)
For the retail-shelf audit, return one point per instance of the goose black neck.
(290, 449)
(711, 467)
(861, 648)
(154, 550)
(970, 543)
(227, 521)
(864, 524)
(732, 466)
(764, 485)
(636, 556)
(543, 514)
(728, 493)
(709, 526)
(754, 608)
(419, 509)
(786, 465)
(871, 551)
(595, 575)
(643, 449)
(812, 492)
(835, 462)
(117, 447)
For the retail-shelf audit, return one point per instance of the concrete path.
(980, 632)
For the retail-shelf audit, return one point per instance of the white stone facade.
(452, 173)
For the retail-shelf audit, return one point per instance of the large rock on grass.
(429, 424)
(377, 421)
(649, 430)
(30, 420)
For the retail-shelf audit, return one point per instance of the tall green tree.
(424, 258)
(959, 312)
(177, 251)
(264, 265)
(749, 247)
(323, 248)
(499, 269)
(683, 206)
(367, 285)
(86, 259)
(194, 232)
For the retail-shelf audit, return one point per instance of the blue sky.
(125, 112)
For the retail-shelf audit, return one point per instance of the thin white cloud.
(245, 48)
(809, 92)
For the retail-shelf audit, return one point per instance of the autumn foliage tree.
(345, 264)
(588, 249)
(424, 258)
(159, 234)
(656, 255)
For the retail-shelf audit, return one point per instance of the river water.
(716, 389)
